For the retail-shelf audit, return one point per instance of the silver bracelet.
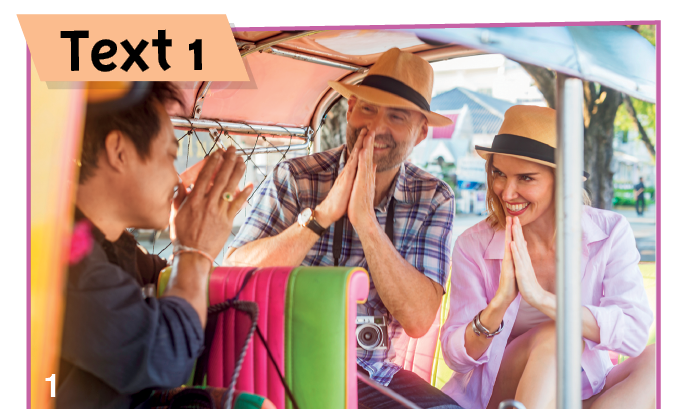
(480, 329)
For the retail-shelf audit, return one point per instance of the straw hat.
(397, 80)
(529, 133)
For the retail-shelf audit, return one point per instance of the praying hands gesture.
(530, 288)
(361, 204)
(203, 218)
(508, 288)
(335, 205)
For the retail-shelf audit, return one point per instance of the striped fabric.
(422, 231)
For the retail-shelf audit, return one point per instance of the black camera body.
(371, 332)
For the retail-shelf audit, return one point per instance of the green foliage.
(645, 111)
(649, 32)
(624, 197)
(623, 121)
(646, 114)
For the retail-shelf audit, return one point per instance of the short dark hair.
(139, 122)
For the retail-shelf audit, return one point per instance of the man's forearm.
(410, 296)
(288, 248)
(189, 280)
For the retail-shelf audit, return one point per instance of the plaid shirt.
(423, 223)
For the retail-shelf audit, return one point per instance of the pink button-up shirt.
(612, 289)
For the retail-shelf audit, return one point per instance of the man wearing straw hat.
(362, 205)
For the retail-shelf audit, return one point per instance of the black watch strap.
(316, 227)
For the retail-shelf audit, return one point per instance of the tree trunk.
(643, 134)
(545, 80)
(600, 111)
(598, 152)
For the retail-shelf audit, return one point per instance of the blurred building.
(448, 152)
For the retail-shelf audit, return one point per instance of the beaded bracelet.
(179, 249)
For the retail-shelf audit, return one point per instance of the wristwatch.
(306, 219)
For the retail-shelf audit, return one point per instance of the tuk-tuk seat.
(307, 315)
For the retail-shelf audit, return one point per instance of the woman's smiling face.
(525, 189)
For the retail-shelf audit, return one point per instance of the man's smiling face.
(397, 131)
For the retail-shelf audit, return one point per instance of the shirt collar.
(121, 252)
(400, 183)
(591, 233)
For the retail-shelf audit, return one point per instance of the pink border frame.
(656, 23)
(28, 253)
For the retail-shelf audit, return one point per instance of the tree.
(601, 105)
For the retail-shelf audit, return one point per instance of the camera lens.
(369, 336)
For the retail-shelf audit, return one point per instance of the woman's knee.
(647, 360)
(543, 336)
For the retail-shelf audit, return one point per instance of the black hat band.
(396, 87)
(522, 146)
(518, 145)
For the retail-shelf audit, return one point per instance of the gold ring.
(228, 197)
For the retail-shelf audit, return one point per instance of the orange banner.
(117, 47)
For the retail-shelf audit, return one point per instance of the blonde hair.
(496, 213)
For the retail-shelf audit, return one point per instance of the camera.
(371, 332)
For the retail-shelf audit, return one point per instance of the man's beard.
(397, 153)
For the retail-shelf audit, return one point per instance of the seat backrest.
(420, 355)
(307, 315)
(267, 287)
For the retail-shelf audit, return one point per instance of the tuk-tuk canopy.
(614, 56)
(288, 93)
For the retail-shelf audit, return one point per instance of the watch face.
(304, 216)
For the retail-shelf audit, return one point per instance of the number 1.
(52, 379)
(198, 57)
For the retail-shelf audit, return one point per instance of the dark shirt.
(117, 345)
(637, 187)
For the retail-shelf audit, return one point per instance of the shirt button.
(595, 383)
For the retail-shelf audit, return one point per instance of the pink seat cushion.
(267, 287)
(419, 355)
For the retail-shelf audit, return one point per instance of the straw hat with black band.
(397, 80)
(529, 133)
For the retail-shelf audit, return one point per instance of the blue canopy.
(615, 56)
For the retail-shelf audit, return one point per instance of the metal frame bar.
(198, 102)
(315, 59)
(276, 40)
(215, 136)
(570, 163)
(190, 123)
(214, 129)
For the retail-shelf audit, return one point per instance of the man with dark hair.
(119, 341)
(639, 195)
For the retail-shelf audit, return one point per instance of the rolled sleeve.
(623, 314)
(275, 209)
(467, 298)
(128, 342)
(431, 255)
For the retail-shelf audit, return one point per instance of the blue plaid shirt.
(423, 223)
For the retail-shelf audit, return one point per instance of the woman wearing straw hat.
(500, 336)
